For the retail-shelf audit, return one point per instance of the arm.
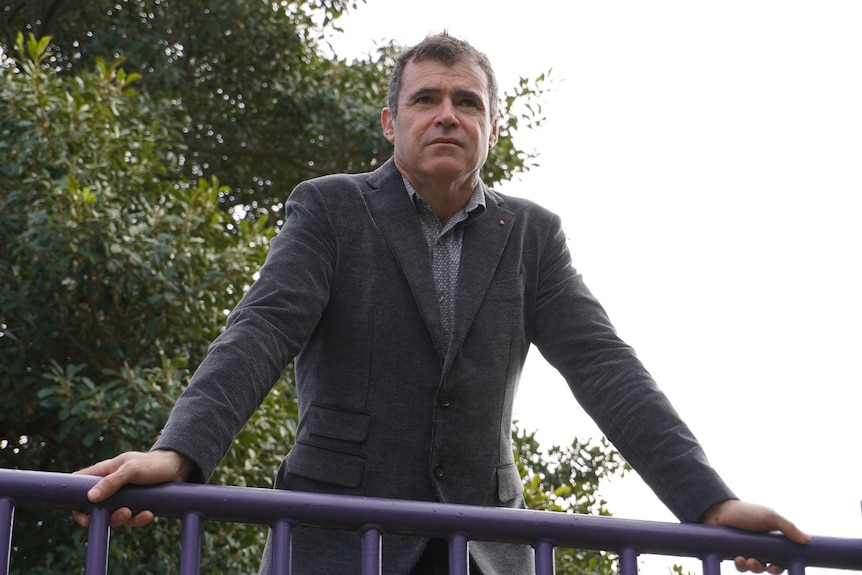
(263, 334)
(573, 332)
(265, 331)
(615, 389)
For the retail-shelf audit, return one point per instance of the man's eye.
(469, 103)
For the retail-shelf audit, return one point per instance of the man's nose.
(446, 113)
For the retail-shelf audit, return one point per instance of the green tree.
(116, 274)
(567, 479)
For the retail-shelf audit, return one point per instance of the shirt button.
(438, 470)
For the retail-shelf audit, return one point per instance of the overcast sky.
(705, 159)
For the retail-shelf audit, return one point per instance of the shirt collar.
(476, 200)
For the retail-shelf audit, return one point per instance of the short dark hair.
(448, 50)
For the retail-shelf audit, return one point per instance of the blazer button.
(445, 402)
(438, 470)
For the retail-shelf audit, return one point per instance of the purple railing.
(281, 510)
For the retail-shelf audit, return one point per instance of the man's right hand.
(141, 468)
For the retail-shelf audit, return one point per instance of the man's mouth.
(449, 141)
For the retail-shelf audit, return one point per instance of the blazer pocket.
(341, 424)
(326, 465)
(328, 447)
(507, 290)
(509, 486)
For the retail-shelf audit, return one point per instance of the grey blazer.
(387, 407)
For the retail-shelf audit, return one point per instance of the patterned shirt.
(444, 245)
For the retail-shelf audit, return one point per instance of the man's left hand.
(752, 517)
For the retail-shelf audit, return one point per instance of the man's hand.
(148, 468)
(751, 517)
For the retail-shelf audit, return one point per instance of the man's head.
(448, 50)
(442, 115)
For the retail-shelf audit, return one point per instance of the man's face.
(443, 129)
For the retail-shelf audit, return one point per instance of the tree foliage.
(567, 479)
(116, 275)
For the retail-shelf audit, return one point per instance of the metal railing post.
(629, 561)
(190, 544)
(280, 535)
(459, 557)
(7, 516)
(98, 538)
(370, 537)
(711, 564)
(544, 549)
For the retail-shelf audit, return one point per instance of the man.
(409, 297)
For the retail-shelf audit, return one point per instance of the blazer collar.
(395, 216)
(485, 239)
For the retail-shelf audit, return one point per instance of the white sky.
(705, 158)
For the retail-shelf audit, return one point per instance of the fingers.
(123, 470)
(113, 475)
(123, 516)
(754, 566)
(792, 532)
(103, 468)
(120, 517)
(771, 520)
(136, 467)
(141, 519)
(81, 518)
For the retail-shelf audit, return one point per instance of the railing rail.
(371, 517)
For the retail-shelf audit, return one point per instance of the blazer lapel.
(396, 218)
(485, 239)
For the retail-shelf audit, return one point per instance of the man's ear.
(495, 133)
(387, 122)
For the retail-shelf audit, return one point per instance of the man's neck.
(445, 197)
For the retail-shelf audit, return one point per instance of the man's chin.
(443, 165)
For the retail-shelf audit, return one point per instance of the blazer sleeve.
(573, 332)
(263, 334)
